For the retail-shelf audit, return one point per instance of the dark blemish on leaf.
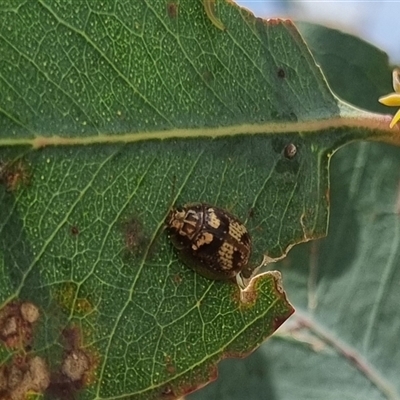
(20, 360)
(290, 151)
(167, 393)
(134, 237)
(177, 279)
(72, 337)
(172, 9)
(251, 212)
(61, 387)
(328, 196)
(169, 365)
(281, 73)
(76, 369)
(74, 230)
(14, 175)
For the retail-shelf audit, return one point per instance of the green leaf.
(346, 59)
(110, 113)
(342, 340)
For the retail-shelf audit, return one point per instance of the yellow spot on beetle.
(205, 238)
(393, 99)
(226, 256)
(236, 230)
(209, 7)
(213, 220)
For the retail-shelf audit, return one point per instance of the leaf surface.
(110, 113)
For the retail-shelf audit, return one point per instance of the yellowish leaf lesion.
(209, 7)
(393, 99)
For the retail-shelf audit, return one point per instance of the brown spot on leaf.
(134, 237)
(167, 393)
(248, 296)
(281, 73)
(72, 337)
(83, 306)
(213, 373)
(62, 387)
(76, 369)
(169, 365)
(29, 312)
(251, 212)
(9, 326)
(19, 379)
(69, 299)
(14, 377)
(271, 21)
(177, 279)
(75, 365)
(66, 295)
(212, 376)
(16, 324)
(328, 196)
(14, 175)
(74, 230)
(172, 9)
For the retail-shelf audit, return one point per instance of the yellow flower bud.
(393, 99)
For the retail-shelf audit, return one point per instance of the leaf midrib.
(363, 122)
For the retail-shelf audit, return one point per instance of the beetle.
(210, 240)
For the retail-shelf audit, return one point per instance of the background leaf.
(342, 341)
